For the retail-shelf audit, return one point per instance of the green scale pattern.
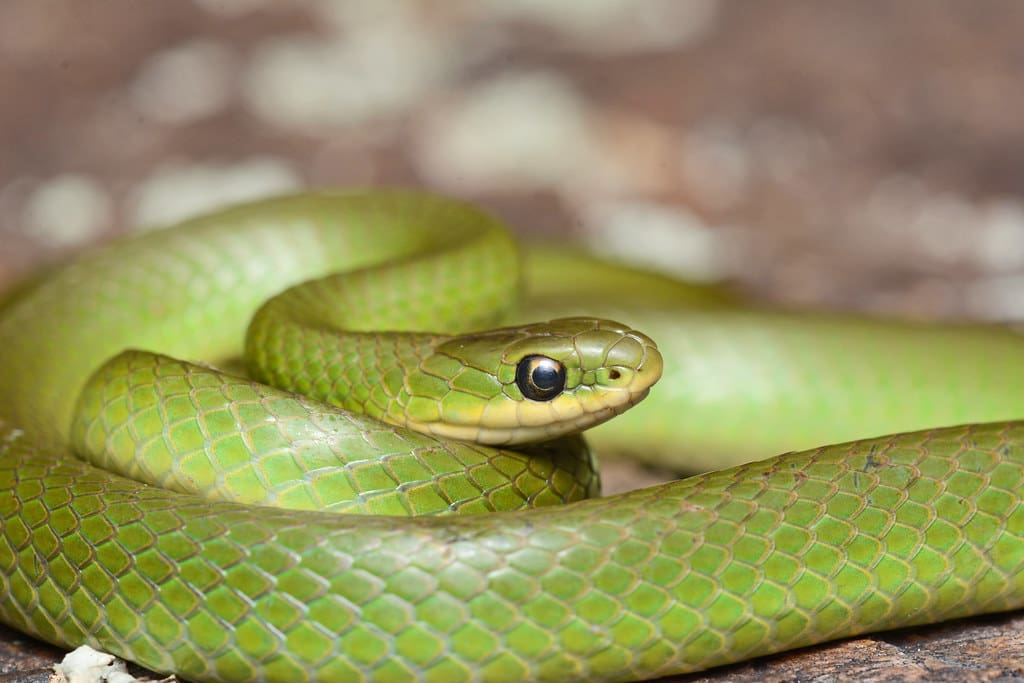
(192, 430)
(759, 558)
(798, 549)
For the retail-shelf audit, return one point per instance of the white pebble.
(616, 26)
(67, 210)
(998, 298)
(516, 132)
(184, 83)
(670, 239)
(86, 665)
(374, 72)
(1000, 243)
(176, 191)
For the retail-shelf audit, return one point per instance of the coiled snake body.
(201, 579)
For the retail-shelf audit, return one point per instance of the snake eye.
(540, 378)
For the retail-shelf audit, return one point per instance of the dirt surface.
(844, 155)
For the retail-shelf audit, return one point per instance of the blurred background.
(848, 154)
(854, 154)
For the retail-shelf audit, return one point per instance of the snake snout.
(633, 364)
(651, 366)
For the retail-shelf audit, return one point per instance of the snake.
(278, 442)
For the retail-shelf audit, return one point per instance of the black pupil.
(545, 377)
(540, 378)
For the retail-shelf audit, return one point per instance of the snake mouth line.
(498, 436)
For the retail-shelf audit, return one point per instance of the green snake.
(200, 576)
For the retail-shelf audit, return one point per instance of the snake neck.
(362, 372)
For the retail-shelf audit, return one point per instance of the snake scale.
(203, 579)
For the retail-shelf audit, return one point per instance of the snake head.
(531, 383)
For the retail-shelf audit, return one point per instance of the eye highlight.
(540, 378)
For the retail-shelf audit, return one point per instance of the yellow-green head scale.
(531, 383)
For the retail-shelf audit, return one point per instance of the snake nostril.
(614, 374)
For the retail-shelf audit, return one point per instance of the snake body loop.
(826, 543)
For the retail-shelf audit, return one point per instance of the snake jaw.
(510, 436)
